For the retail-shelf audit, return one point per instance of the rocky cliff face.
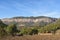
(28, 20)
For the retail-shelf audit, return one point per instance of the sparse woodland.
(11, 29)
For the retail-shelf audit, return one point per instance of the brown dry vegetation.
(33, 37)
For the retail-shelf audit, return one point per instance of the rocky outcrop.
(29, 19)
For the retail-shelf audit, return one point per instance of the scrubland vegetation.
(11, 31)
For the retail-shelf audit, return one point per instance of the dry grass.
(33, 37)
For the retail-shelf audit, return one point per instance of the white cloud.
(50, 14)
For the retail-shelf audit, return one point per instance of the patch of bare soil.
(33, 37)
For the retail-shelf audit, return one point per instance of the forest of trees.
(11, 29)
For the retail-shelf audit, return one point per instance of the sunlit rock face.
(29, 19)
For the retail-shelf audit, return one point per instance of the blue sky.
(11, 8)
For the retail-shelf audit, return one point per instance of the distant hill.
(30, 21)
